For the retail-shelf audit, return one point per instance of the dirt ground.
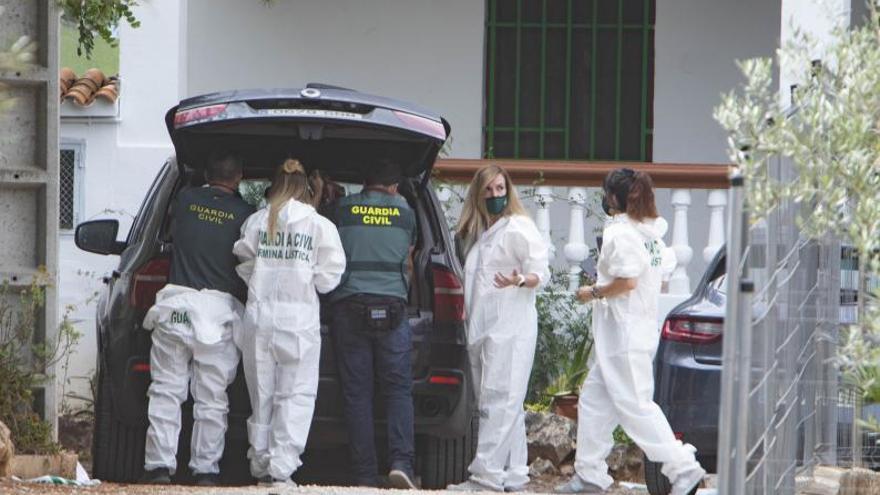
(75, 435)
(13, 488)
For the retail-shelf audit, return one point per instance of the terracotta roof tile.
(84, 90)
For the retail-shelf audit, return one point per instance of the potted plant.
(563, 346)
(565, 387)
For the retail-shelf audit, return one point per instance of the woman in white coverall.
(289, 254)
(619, 389)
(507, 260)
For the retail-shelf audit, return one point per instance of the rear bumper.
(440, 410)
(689, 392)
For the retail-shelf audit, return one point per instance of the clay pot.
(566, 405)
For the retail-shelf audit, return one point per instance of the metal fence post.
(731, 453)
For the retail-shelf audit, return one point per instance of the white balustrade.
(576, 249)
(679, 283)
(543, 199)
(716, 202)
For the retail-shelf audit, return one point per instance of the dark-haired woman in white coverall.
(619, 389)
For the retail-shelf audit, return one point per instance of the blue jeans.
(366, 357)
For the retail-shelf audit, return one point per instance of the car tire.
(117, 449)
(658, 483)
(444, 461)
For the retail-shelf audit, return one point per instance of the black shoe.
(206, 479)
(265, 480)
(158, 476)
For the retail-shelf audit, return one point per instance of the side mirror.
(99, 236)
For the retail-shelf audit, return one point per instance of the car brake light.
(692, 330)
(422, 124)
(148, 281)
(183, 117)
(448, 296)
(444, 380)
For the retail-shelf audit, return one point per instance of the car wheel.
(658, 483)
(444, 461)
(117, 449)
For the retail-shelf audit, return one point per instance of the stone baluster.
(679, 283)
(444, 194)
(716, 202)
(576, 250)
(543, 198)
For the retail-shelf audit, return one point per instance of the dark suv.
(340, 132)
(687, 374)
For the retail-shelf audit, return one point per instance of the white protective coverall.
(619, 389)
(502, 332)
(281, 337)
(192, 350)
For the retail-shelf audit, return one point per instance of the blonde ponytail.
(291, 182)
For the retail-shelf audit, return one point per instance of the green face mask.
(496, 205)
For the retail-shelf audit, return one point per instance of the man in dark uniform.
(192, 324)
(369, 322)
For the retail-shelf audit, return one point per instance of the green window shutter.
(569, 79)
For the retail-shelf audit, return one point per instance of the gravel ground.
(13, 488)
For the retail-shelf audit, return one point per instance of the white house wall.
(429, 52)
(121, 160)
(80, 272)
(697, 44)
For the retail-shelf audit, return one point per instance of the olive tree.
(831, 134)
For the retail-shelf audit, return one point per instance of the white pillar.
(679, 283)
(443, 194)
(543, 198)
(717, 201)
(576, 250)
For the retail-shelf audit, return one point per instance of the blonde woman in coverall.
(289, 254)
(619, 389)
(506, 262)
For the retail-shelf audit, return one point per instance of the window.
(69, 185)
(569, 79)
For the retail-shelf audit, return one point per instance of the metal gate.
(779, 382)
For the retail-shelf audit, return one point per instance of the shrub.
(564, 342)
(24, 357)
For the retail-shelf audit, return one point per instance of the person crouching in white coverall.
(193, 323)
(619, 388)
(506, 261)
(289, 254)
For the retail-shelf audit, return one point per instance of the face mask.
(496, 205)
